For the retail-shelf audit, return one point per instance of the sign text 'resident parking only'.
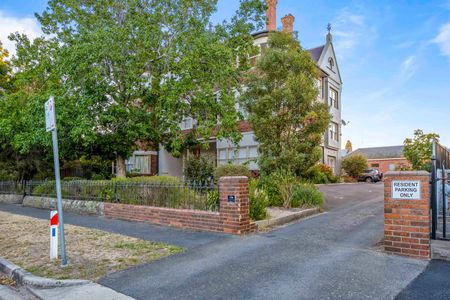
(406, 189)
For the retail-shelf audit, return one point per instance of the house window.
(334, 131)
(260, 50)
(187, 123)
(334, 98)
(375, 166)
(240, 155)
(319, 86)
(139, 164)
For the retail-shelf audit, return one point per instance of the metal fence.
(169, 194)
(11, 187)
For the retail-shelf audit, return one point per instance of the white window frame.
(334, 101)
(334, 131)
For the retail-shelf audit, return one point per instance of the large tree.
(128, 71)
(418, 150)
(5, 70)
(288, 120)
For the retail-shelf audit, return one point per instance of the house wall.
(388, 164)
(169, 165)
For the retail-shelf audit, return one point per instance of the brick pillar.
(271, 15)
(407, 221)
(234, 205)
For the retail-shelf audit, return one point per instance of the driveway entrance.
(331, 256)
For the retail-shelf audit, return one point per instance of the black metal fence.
(169, 194)
(11, 187)
(439, 194)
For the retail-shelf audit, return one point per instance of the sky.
(394, 59)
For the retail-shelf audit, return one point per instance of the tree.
(281, 99)
(349, 146)
(354, 165)
(5, 70)
(418, 150)
(128, 72)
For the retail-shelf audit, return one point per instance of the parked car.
(371, 175)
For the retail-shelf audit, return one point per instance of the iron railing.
(169, 194)
(11, 187)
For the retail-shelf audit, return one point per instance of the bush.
(199, 169)
(305, 194)
(321, 174)
(258, 201)
(354, 165)
(231, 170)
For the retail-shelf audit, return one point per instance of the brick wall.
(383, 164)
(407, 222)
(233, 217)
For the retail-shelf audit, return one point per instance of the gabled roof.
(380, 152)
(316, 53)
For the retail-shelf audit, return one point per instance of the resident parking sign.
(406, 189)
(50, 123)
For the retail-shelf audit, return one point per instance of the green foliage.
(258, 201)
(124, 72)
(212, 200)
(354, 165)
(306, 195)
(5, 70)
(321, 174)
(199, 169)
(281, 99)
(231, 170)
(418, 150)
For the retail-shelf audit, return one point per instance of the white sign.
(407, 190)
(50, 123)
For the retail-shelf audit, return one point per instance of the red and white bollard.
(53, 234)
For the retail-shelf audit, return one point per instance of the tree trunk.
(121, 171)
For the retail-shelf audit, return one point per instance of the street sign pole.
(50, 119)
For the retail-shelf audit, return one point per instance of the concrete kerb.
(27, 279)
(286, 219)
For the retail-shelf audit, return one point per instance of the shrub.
(199, 169)
(258, 201)
(279, 187)
(305, 194)
(321, 174)
(270, 186)
(212, 200)
(354, 165)
(231, 170)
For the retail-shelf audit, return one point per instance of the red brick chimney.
(288, 23)
(271, 15)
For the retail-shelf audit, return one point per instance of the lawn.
(91, 253)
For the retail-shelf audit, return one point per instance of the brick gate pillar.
(407, 213)
(234, 205)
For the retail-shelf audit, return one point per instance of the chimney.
(271, 15)
(288, 23)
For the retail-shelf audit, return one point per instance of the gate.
(439, 192)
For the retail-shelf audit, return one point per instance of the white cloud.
(408, 68)
(10, 24)
(443, 39)
(350, 30)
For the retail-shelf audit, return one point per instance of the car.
(371, 175)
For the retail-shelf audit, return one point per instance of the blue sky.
(394, 57)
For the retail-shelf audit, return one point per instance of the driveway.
(331, 256)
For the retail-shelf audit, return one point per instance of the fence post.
(234, 205)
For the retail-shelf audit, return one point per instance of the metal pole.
(59, 197)
(434, 214)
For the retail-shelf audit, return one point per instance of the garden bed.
(277, 216)
(91, 253)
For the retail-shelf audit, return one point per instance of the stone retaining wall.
(11, 199)
(76, 206)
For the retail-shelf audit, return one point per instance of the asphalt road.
(331, 256)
